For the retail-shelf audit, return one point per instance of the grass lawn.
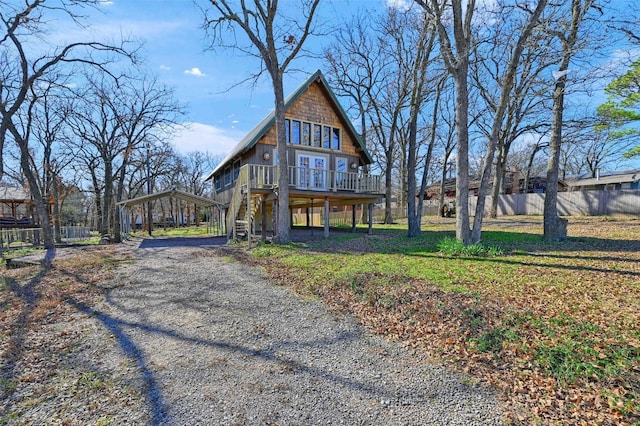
(553, 326)
(183, 231)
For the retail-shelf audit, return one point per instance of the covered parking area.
(213, 210)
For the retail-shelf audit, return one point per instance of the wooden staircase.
(241, 214)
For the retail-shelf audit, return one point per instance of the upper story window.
(326, 137)
(218, 183)
(227, 176)
(317, 135)
(236, 170)
(335, 139)
(313, 135)
(295, 132)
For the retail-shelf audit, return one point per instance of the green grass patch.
(568, 310)
(453, 247)
(184, 231)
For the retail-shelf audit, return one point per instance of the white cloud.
(206, 138)
(399, 4)
(165, 68)
(195, 72)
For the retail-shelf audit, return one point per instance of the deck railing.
(266, 177)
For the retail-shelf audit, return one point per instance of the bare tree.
(456, 56)
(500, 109)
(276, 39)
(112, 123)
(525, 109)
(50, 113)
(419, 77)
(568, 33)
(356, 67)
(21, 71)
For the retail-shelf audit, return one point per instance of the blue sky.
(219, 115)
(174, 47)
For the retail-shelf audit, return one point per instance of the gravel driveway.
(216, 344)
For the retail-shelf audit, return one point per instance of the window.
(218, 184)
(312, 134)
(326, 137)
(295, 132)
(236, 170)
(341, 171)
(306, 134)
(312, 172)
(227, 176)
(335, 139)
(287, 126)
(317, 135)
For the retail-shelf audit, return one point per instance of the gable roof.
(261, 129)
(10, 193)
(185, 196)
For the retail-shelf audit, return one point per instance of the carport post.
(370, 205)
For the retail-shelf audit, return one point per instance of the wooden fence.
(574, 203)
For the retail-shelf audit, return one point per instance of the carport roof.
(190, 198)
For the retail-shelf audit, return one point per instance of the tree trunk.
(413, 216)
(388, 182)
(42, 207)
(283, 217)
(555, 228)
(463, 233)
(56, 211)
(498, 181)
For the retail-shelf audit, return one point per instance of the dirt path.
(173, 332)
(213, 343)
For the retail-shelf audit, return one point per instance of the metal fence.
(32, 237)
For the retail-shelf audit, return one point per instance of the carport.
(213, 209)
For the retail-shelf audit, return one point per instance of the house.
(325, 157)
(612, 181)
(513, 184)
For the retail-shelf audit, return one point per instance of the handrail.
(266, 177)
(236, 198)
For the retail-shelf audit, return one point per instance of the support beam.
(263, 219)
(326, 217)
(248, 216)
(370, 206)
(353, 218)
(311, 217)
(274, 218)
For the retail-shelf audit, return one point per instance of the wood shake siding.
(313, 106)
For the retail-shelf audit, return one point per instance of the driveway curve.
(216, 344)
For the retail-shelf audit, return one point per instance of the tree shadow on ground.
(28, 297)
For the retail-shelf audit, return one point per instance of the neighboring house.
(612, 181)
(325, 157)
(513, 184)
